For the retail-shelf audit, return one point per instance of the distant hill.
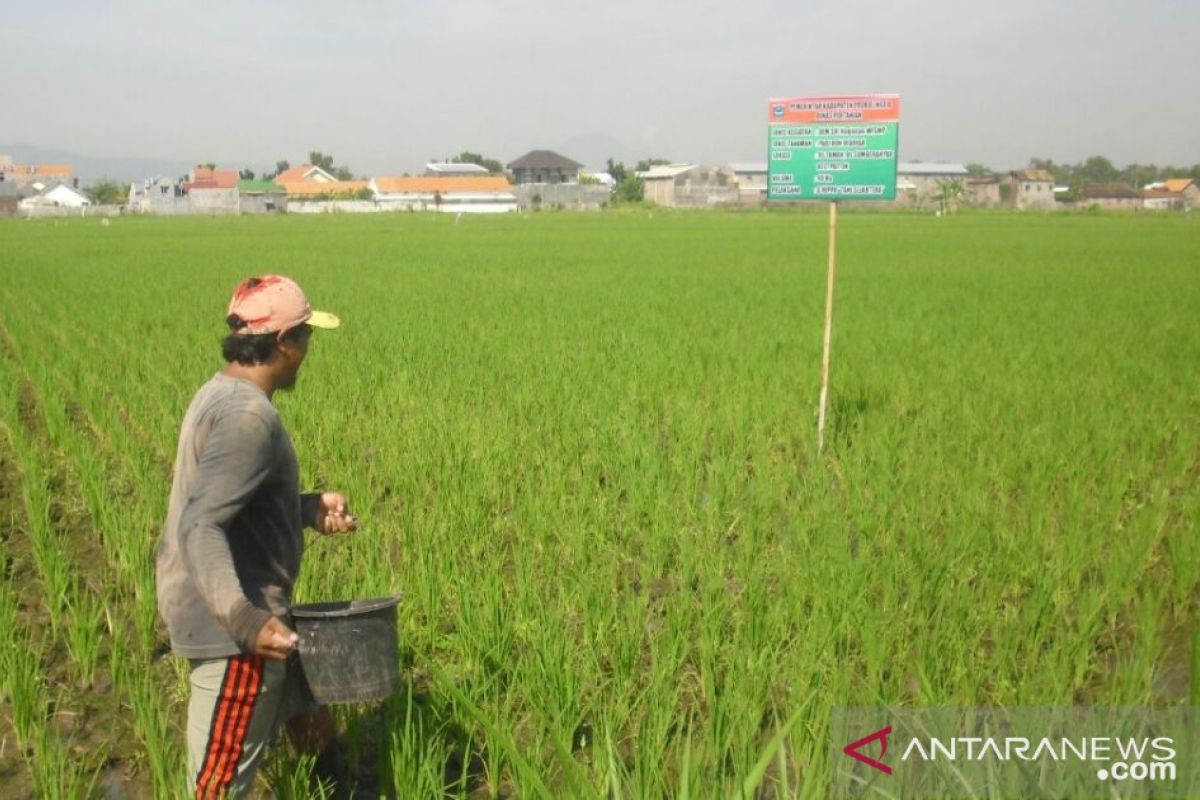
(124, 169)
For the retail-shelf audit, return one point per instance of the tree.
(950, 193)
(630, 189)
(1139, 175)
(467, 157)
(319, 159)
(281, 167)
(646, 163)
(246, 174)
(1097, 169)
(107, 192)
(617, 170)
(325, 162)
(977, 170)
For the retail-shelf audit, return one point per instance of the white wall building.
(58, 195)
(488, 194)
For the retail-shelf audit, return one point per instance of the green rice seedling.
(84, 632)
(155, 729)
(59, 775)
(414, 750)
(24, 685)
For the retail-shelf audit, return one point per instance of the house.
(25, 174)
(212, 191)
(1111, 196)
(1160, 200)
(449, 168)
(304, 173)
(919, 183)
(1186, 189)
(689, 185)
(751, 177)
(486, 194)
(160, 196)
(1031, 188)
(544, 166)
(984, 191)
(56, 195)
(261, 197)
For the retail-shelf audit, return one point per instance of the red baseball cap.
(272, 303)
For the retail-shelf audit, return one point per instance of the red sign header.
(854, 108)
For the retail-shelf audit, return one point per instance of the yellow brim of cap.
(323, 319)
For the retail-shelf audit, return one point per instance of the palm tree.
(950, 193)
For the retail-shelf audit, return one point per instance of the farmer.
(231, 547)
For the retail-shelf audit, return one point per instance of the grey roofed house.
(662, 171)
(751, 179)
(693, 185)
(544, 166)
(918, 181)
(454, 168)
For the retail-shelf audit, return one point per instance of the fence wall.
(333, 207)
(214, 201)
(583, 196)
(40, 212)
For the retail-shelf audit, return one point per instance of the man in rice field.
(231, 547)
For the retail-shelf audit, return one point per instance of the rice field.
(583, 447)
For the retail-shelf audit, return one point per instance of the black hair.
(249, 349)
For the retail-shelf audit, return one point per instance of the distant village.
(543, 179)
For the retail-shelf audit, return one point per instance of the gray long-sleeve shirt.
(230, 549)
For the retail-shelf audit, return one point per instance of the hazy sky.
(386, 86)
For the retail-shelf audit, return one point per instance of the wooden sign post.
(832, 148)
(828, 323)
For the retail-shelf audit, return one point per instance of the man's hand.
(275, 641)
(333, 516)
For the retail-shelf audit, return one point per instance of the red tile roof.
(299, 173)
(53, 169)
(448, 183)
(222, 178)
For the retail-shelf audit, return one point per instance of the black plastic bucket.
(349, 650)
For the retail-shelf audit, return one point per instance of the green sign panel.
(833, 148)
